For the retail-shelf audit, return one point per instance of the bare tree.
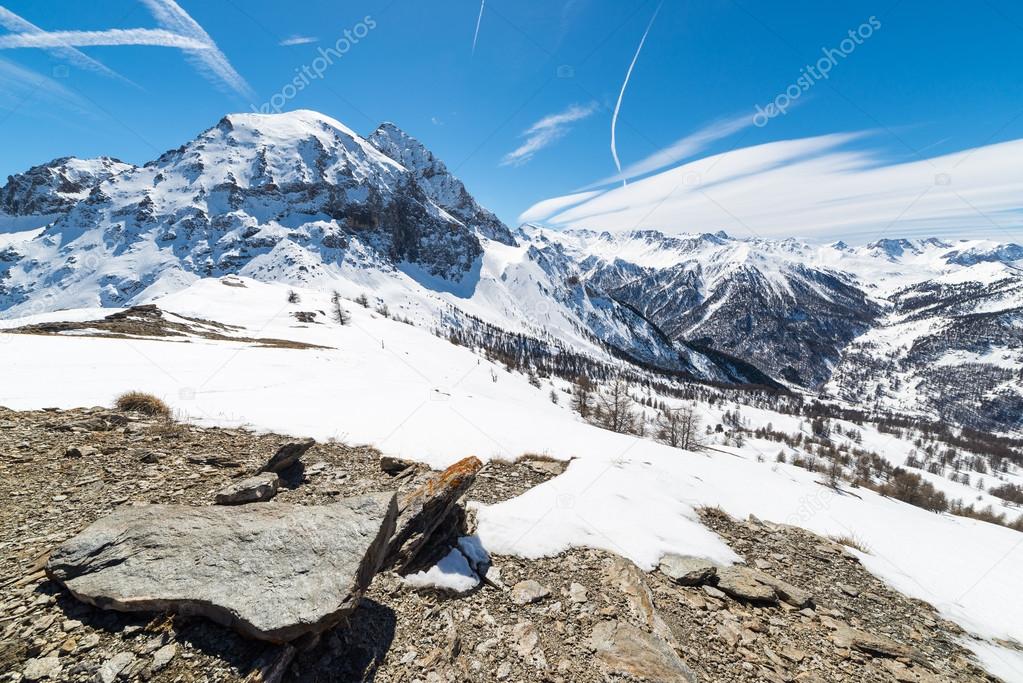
(582, 397)
(679, 428)
(615, 408)
(341, 316)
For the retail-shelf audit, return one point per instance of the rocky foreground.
(801, 609)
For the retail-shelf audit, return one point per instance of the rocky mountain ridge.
(837, 320)
(301, 198)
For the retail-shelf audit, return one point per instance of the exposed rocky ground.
(804, 609)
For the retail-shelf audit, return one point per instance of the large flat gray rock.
(272, 572)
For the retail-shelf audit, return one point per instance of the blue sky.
(527, 115)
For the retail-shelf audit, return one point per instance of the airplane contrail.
(625, 84)
(135, 36)
(210, 61)
(12, 22)
(479, 20)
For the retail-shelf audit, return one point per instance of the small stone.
(318, 468)
(88, 641)
(69, 625)
(740, 583)
(526, 638)
(257, 489)
(872, 644)
(625, 650)
(687, 571)
(42, 668)
(577, 593)
(503, 671)
(528, 591)
(113, 667)
(792, 654)
(713, 592)
(163, 656)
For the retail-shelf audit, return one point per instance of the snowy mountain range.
(921, 326)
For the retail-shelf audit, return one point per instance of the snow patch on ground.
(417, 396)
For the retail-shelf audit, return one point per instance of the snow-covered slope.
(413, 394)
(301, 198)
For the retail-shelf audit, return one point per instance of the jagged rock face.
(54, 187)
(795, 332)
(284, 196)
(437, 182)
(755, 301)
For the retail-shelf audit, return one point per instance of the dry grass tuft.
(141, 402)
(851, 542)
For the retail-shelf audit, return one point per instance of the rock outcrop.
(428, 503)
(287, 455)
(272, 572)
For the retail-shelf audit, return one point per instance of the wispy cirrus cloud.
(19, 85)
(679, 150)
(546, 132)
(297, 40)
(818, 188)
(210, 61)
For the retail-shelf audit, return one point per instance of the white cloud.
(817, 188)
(546, 132)
(134, 36)
(19, 85)
(211, 62)
(297, 40)
(680, 149)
